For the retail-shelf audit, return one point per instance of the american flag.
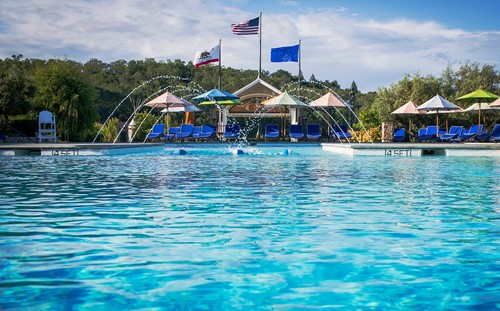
(250, 27)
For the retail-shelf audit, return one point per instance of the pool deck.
(355, 149)
(415, 149)
(75, 149)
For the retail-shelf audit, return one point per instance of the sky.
(372, 42)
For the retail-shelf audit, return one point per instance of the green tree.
(62, 89)
(280, 78)
(110, 130)
(15, 88)
(447, 81)
(473, 76)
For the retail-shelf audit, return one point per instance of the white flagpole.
(300, 52)
(260, 44)
(220, 64)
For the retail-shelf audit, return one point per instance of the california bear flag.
(207, 56)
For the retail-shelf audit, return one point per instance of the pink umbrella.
(409, 109)
(167, 100)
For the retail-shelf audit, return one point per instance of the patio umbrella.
(167, 100)
(287, 101)
(219, 98)
(408, 109)
(496, 103)
(479, 96)
(189, 107)
(214, 95)
(329, 100)
(482, 108)
(188, 110)
(438, 104)
(227, 102)
(447, 112)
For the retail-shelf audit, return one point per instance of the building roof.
(251, 95)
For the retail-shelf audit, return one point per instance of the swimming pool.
(266, 230)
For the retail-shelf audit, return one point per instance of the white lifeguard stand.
(46, 127)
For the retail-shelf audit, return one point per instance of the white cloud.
(336, 44)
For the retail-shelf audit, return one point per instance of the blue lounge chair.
(313, 131)
(171, 133)
(431, 133)
(454, 132)
(295, 131)
(233, 131)
(157, 131)
(421, 133)
(399, 135)
(207, 132)
(272, 131)
(495, 134)
(487, 136)
(185, 131)
(196, 131)
(340, 132)
(471, 133)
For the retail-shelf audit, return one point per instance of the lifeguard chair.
(46, 127)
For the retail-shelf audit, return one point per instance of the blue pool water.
(211, 230)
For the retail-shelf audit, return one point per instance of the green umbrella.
(478, 96)
(226, 102)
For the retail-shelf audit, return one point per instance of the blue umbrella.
(218, 97)
(215, 95)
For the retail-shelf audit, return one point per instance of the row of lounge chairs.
(313, 132)
(295, 131)
(192, 132)
(233, 131)
(455, 134)
(184, 132)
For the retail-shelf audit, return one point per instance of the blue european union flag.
(285, 54)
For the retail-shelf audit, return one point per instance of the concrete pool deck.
(355, 149)
(75, 149)
(415, 149)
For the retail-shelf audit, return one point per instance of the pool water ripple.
(262, 231)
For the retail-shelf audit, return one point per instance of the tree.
(352, 93)
(62, 89)
(110, 130)
(448, 83)
(15, 88)
(470, 77)
(280, 78)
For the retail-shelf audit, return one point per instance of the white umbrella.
(482, 108)
(188, 108)
(496, 103)
(447, 112)
(438, 104)
(485, 107)
(284, 100)
(288, 101)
